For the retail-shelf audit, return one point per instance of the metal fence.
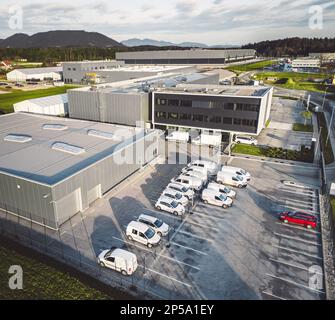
(78, 252)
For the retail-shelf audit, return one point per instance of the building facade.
(306, 63)
(35, 74)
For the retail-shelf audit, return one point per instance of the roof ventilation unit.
(56, 127)
(101, 134)
(68, 148)
(19, 138)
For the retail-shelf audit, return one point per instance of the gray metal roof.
(36, 160)
(30, 71)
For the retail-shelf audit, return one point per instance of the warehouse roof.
(29, 71)
(46, 101)
(52, 154)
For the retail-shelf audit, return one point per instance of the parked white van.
(210, 166)
(180, 136)
(142, 233)
(118, 259)
(191, 182)
(231, 179)
(222, 189)
(195, 174)
(246, 140)
(158, 225)
(187, 192)
(213, 139)
(216, 198)
(175, 195)
(236, 170)
(201, 170)
(170, 205)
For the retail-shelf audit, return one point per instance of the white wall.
(54, 110)
(16, 75)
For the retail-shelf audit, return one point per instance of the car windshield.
(226, 190)
(184, 189)
(239, 178)
(158, 223)
(178, 196)
(174, 204)
(223, 197)
(149, 233)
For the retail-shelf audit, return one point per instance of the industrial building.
(96, 72)
(53, 105)
(234, 109)
(126, 102)
(325, 57)
(184, 57)
(51, 168)
(35, 74)
(306, 63)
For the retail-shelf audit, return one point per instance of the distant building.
(35, 74)
(306, 63)
(53, 105)
(324, 56)
(184, 57)
(6, 65)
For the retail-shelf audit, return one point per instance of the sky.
(212, 22)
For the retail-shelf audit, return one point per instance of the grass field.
(7, 100)
(252, 66)
(248, 149)
(302, 127)
(41, 281)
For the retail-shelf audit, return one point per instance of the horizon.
(216, 22)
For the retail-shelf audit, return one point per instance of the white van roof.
(123, 254)
(147, 218)
(165, 199)
(182, 176)
(138, 225)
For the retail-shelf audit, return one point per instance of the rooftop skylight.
(54, 126)
(68, 148)
(102, 134)
(19, 138)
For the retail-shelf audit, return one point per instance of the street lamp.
(324, 97)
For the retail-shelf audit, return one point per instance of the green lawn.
(248, 149)
(41, 281)
(302, 127)
(332, 202)
(7, 100)
(251, 66)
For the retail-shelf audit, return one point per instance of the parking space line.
(297, 239)
(202, 225)
(166, 276)
(158, 255)
(298, 252)
(294, 283)
(299, 228)
(309, 203)
(188, 248)
(194, 236)
(209, 216)
(301, 209)
(295, 266)
(273, 295)
(312, 195)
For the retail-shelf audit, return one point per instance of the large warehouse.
(35, 74)
(51, 168)
(194, 56)
(53, 105)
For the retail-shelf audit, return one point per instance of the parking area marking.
(308, 203)
(298, 228)
(295, 266)
(158, 255)
(194, 236)
(297, 239)
(188, 248)
(273, 295)
(298, 252)
(202, 225)
(310, 194)
(295, 283)
(165, 276)
(301, 209)
(208, 215)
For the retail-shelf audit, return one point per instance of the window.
(247, 122)
(142, 235)
(173, 115)
(19, 138)
(111, 259)
(217, 198)
(134, 232)
(161, 102)
(239, 107)
(160, 114)
(215, 119)
(185, 116)
(251, 107)
(173, 102)
(74, 69)
(229, 106)
(218, 105)
(67, 148)
(237, 121)
(57, 127)
(186, 103)
(200, 117)
(227, 120)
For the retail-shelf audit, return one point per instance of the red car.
(301, 218)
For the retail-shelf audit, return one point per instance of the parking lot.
(242, 252)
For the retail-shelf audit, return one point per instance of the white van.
(231, 179)
(187, 192)
(237, 171)
(195, 174)
(118, 259)
(158, 225)
(170, 205)
(208, 139)
(210, 166)
(246, 140)
(191, 182)
(222, 189)
(175, 195)
(180, 136)
(201, 170)
(216, 198)
(142, 233)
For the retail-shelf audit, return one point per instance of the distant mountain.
(60, 39)
(150, 42)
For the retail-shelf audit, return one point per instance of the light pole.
(330, 124)
(324, 97)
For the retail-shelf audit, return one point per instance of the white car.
(180, 136)
(140, 232)
(170, 205)
(191, 182)
(216, 198)
(210, 166)
(246, 140)
(231, 179)
(237, 171)
(187, 192)
(158, 225)
(118, 259)
(222, 189)
(201, 170)
(175, 195)
(195, 172)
